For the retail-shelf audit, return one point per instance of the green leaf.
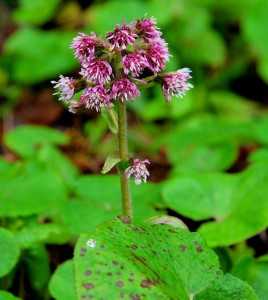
(99, 199)
(148, 261)
(52, 56)
(249, 210)
(7, 296)
(52, 159)
(25, 140)
(228, 287)
(41, 233)
(9, 251)
(110, 162)
(255, 272)
(35, 12)
(231, 105)
(37, 266)
(30, 191)
(208, 195)
(254, 24)
(111, 118)
(103, 17)
(62, 284)
(205, 143)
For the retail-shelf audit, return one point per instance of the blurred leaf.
(37, 265)
(228, 287)
(62, 285)
(110, 162)
(41, 233)
(7, 296)
(47, 51)
(52, 159)
(255, 272)
(195, 39)
(9, 252)
(99, 199)
(103, 17)
(259, 155)
(208, 195)
(249, 210)
(26, 139)
(35, 12)
(158, 262)
(31, 191)
(231, 105)
(254, 26)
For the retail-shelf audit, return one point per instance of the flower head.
(147, 29)
(134, 63)
(121, 37)
(84, 46)
(97, 71)
(157, 55)
(123, 90)
(93, 98)
(176, 83)
(138, 170)
(64, 87)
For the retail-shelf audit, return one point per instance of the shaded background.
(220, 126)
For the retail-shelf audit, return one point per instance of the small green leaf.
(147, 261)
(9, 251)
(110, 162)
(25, 140)
(62, 284)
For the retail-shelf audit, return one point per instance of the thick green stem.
(123, 153)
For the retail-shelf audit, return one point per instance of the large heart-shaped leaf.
(143, 262)
(99, 199)
(9, 251)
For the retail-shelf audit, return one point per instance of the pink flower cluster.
(138, 170)
(112, 68)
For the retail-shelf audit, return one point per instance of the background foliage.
(209, 154)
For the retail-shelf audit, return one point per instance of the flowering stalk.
(112, 71)
(123, 154)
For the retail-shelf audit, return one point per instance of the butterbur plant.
(123, 259)
(113, 71)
